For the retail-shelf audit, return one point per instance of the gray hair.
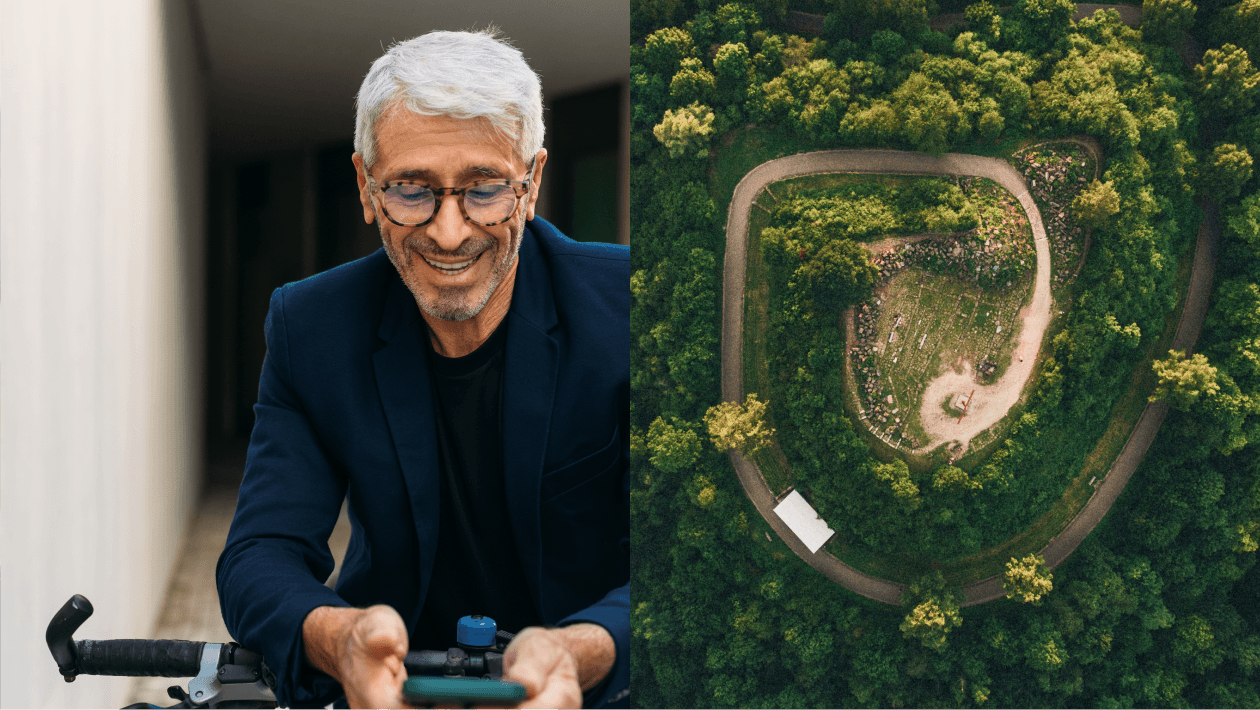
(460, 75)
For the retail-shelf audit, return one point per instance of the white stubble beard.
(452, 302)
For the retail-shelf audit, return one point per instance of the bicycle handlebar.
(223, 673)
(139, 657)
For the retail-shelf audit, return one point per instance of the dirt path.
(1108, 490)
(852, 161)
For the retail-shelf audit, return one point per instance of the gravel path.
(901, 162)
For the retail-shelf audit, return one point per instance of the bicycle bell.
(475, 633)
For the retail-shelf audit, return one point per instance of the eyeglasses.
(408, 203)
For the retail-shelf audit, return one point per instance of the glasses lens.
(410, 204)
(489, 203)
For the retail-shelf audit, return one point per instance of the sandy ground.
(991, 402)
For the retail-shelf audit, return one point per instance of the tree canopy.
(1027, 580)
(739, 427)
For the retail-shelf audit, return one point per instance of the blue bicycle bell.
(475, 631)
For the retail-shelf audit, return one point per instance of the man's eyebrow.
(469, 173)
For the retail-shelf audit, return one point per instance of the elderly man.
(466, 389)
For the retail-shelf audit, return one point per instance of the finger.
(529, 659)
(560, 691)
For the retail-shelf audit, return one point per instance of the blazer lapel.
(529, 387)
(402, 378)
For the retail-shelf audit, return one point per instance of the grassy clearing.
(925, 324)
(744, 149)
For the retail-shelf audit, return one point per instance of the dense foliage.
(1161, 605)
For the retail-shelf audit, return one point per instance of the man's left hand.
(557, 665)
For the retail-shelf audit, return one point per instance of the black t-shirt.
(477, 570)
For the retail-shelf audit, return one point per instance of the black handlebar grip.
(425, 662)
(140, 657)
(60, 633)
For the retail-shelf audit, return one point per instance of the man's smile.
(454, 268)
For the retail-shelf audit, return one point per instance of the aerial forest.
(1136, 132)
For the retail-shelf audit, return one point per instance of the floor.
(190, 610)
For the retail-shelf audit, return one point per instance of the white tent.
(801, 517)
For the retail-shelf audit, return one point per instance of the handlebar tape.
(140, 657)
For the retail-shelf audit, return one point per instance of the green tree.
(1027, 580)
(741, 427)
(733, 69)
(983, 18)
(735, 23)
(1095, 205)
(889, 45)
(686, 130)
(768, 61)
(951, 478)
(1240, 24)
(1227, 81)
(1242, 236)
(692, 84)
(1184, 382)
(991, 124)
(909, 18)
(1046, 13)
(1226, 171)
(1167, 21)
(650, 96)
(931, 120)
(874, 125)
(897, 475)
(675, 447)
(1039, 24)
(665, 49)
(837, 276)
(931, 611)
(1195, 645)
(647, 14)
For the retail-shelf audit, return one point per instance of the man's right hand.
(363, 649)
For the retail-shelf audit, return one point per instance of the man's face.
(452, 266)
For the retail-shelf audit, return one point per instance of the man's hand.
(556, 665)
(363, 649)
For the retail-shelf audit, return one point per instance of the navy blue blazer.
(345, 411)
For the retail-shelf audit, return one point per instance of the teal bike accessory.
(422, 690)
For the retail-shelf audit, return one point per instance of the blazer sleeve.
(613, 613)
(271, 572)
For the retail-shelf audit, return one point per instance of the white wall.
(102, 177)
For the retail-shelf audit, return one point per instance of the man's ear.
(365, 196)
(536, 182)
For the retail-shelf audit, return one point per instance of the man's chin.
(454, 307)
(453, 315)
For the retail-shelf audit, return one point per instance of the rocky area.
(1056, 174)
(995, 254)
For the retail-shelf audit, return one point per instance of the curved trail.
(901, 162)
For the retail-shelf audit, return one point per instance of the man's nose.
(448, 227)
